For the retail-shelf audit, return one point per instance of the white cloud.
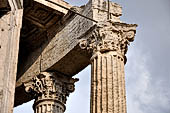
(145, 92)
(137, 79)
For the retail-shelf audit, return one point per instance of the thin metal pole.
(72, 11)
(108, 17)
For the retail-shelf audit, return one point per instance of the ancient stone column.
(108, 45)
(10, 27)
(50, 92)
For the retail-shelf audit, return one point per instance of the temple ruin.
(44, 43)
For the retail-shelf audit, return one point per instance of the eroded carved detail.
(110, 36)
(51, 89)
(113, 10)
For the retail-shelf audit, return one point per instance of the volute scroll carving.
(50, 86)
(109, 36)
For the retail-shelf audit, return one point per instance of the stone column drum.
(108, 45)
(50, 92)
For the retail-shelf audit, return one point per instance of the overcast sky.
(148, 65)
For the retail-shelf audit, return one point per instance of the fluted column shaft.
(108, 83)
(108, 44)
(50, 92)
(49, 106)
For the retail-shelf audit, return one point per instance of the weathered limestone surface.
(62, 53)
(62, 44)
(50, 91)
(108, 84)
(55, 54)
(108, 43)
(10, 25)
(55, 7)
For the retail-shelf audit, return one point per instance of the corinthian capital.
(109, 36)
(50, 86)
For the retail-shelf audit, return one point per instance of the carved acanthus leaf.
(50, 86)
(108, 36)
